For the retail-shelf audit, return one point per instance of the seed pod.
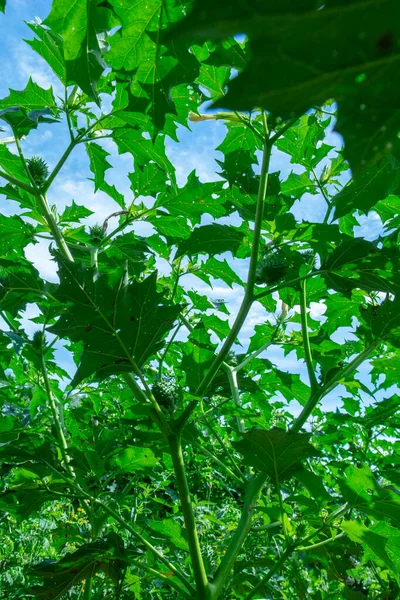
(167, 393)
(271, 269)
(96, 233)
(38, 169)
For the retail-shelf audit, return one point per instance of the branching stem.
(252, 493)
(249, 294)
(306, 340)
(200, 576)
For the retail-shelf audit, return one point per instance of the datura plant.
(237, 442)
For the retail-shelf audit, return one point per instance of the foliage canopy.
(178, 460)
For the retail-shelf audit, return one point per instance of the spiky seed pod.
(167, 393)
(96, 233)
(38, 339)
(271, 269)
(38, 169)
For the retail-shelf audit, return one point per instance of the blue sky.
(195, 151)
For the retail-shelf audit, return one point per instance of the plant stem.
(283, 129)
(321, 187)
(59, 165)
(158, 575)
(282, 509)
(18, 183)
(285, 284)
(233, 384)
(319, 544)
(256, 353)
(306, 340)
(56, 417)
(249, 294)
(252, 492)
(317, 395)
(55, 231)
(200, 576)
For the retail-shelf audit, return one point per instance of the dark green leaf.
(276, 452)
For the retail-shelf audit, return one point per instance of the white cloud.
(41, 258)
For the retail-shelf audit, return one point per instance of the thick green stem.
(249, 295)
(56, 419)
(55, 231)
(200, 575)
(253, 491)
(306, 340)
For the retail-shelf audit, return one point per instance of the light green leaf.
(133, 458)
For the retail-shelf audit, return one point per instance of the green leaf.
(239, 150)
(20, 284)
(98, 163)
(376, 542)
(3, 6)
(300, 142)
(211, 239)
(12, 164)
(49, 46)
(393, 542)
(15, 233)
(32, 98)
(297, 185)
(276, 452)
(198, 356)
(148, 180)
(375, 184)
(194, 200)
(117, 320)
(74, 213)
(79, 25)
(173, 228)
(356, 64)
(170, 529)
(362, 491)
(99, 556)
(143, 150)
(220, 269)
(134, 458)
(155, 66)
(358, 263)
